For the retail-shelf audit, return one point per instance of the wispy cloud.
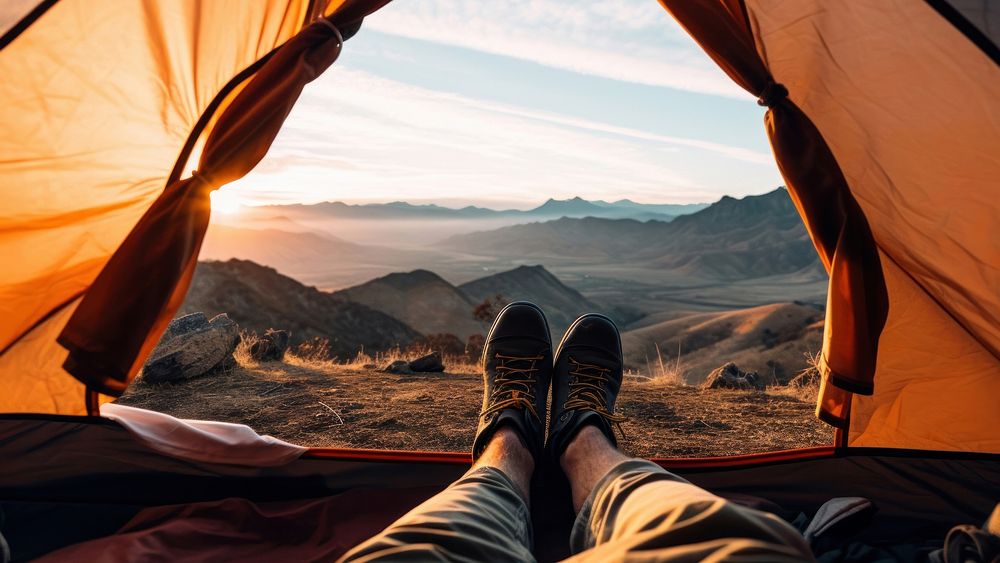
(357, 136)
(630, 40)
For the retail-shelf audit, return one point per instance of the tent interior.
(120, 118)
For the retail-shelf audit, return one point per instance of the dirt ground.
(320, 404)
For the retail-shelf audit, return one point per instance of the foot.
(585, 382)
(517, 369)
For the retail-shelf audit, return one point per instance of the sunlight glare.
(225, 202)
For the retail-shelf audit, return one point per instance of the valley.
(737, 280)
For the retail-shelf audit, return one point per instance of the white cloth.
(202, 440)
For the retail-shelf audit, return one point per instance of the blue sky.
(506, 104)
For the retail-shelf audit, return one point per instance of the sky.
(507, 104)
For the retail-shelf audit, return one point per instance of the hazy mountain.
(731, 239)
(771, 339)
(561, 303)
(279, 248)
(259, 298)
(553, 208)
(421, 299)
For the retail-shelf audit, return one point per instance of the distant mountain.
(731, 239)
(275, 247)
(553, 208)
(771, 339)
(561, 303)
(421, 299)
(259, 298)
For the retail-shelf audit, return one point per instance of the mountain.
(561, 303)
(279, 248)
(732, 239)
(771, 339)
(259, 298)
(421, 299)
(553, 208)
(575, 207)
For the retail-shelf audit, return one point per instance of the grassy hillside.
(773, 340)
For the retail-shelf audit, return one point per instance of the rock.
(730, 376)
(271, 347)
(192, 346)
(399, 366)
(429, 363)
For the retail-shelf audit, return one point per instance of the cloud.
(357, 136)
(628, 40)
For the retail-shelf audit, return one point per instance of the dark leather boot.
(585, 382)
(517, 369)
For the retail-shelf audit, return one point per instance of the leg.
(481, 517)
(629, 508)
(484, 515)
(633, 508)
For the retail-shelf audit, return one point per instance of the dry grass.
(242, 353)
(805, 385)
(669, 372)
(326, 403)
(318, 358)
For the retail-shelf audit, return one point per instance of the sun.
(225, 202)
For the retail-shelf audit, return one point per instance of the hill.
(421, 299)
(731, 239)
(771, 339)
(561, 303)
(259, 298)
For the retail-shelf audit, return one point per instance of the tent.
(119, 118)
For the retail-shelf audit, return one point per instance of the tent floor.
(69, 479)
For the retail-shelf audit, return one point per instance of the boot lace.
(586, 391)
(514, 385)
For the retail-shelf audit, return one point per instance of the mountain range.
(731, 239)
(419, 306)
(394, 310)
(553, 208)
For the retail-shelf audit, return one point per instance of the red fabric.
(241, 530)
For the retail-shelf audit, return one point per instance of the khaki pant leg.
(639, 512)
(480, 517)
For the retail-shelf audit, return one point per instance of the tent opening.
(422, 183)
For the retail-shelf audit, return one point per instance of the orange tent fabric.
(911, 352)
(123, 87)
(883, 119)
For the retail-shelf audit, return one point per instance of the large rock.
(730, 376)
(399, 366)
(191, 346)
(429, 363)
(270, 347)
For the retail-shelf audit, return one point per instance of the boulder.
(270, 347)
(192, 346)
(399, 366)
(730, 376)
(429, 363)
